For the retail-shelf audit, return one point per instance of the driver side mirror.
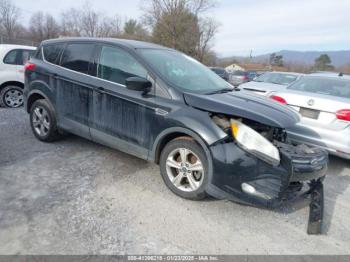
(138, 84)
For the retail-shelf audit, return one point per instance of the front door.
(121, 117)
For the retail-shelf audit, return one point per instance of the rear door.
(73, 87)
(121, 117)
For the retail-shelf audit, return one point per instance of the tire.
(11, 96)
(43, 121)
(177, 173)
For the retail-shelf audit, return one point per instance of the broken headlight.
(254, 143)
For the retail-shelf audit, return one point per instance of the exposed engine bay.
(270, 133)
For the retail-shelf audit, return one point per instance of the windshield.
(322, 85)
(183, 71)
(276, 78)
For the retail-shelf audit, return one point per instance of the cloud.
(272, 25)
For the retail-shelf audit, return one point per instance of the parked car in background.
(270, 82)
(323, 100)
(161, 105)
(12, 60)
(220, 72)
(238, 77)
(252, 74)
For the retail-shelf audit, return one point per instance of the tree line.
(180, 24)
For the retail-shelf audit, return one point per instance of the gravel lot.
(77, 197)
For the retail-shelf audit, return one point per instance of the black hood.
(246, 105)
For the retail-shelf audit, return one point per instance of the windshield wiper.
(221, 91)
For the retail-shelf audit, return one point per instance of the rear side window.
(11, 57)
(324, 86)
(52, 53)
(77, 57)
(25, 56)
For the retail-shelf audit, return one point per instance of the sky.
(260, 26)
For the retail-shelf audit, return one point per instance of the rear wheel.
(43, 121)
(184, 168)
(11, 96)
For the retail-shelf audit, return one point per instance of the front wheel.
(184, 168)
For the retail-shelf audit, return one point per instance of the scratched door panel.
(122, 118)
(73, 107)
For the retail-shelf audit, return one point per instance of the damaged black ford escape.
(161, 105)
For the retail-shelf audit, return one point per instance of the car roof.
(10, 47)
(328, 76)
(287, 73)
(133, 44)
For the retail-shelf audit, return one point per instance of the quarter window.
(116, 65)
(77, 57)
(52, 52)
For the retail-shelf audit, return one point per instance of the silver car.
(270, 82)
(238, 77)
(323, 101)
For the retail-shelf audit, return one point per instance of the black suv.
(161, 105)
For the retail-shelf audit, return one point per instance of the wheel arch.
(34, 96)
(172, 133)
(12, 83)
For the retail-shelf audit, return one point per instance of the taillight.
(245, 78)
(279, 99)
(343, 114)
(29, 66)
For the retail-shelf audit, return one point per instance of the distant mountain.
(339, 58)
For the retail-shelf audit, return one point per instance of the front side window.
(77, 57)
(183, 71)
(11, 57)
(324, 86)
(116, 65)
(52, 52)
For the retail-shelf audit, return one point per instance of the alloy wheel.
(41, 121)
(185, 169)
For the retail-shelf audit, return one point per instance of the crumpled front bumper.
(304, 163)
(242, 177)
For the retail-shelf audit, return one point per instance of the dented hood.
(246, 105)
